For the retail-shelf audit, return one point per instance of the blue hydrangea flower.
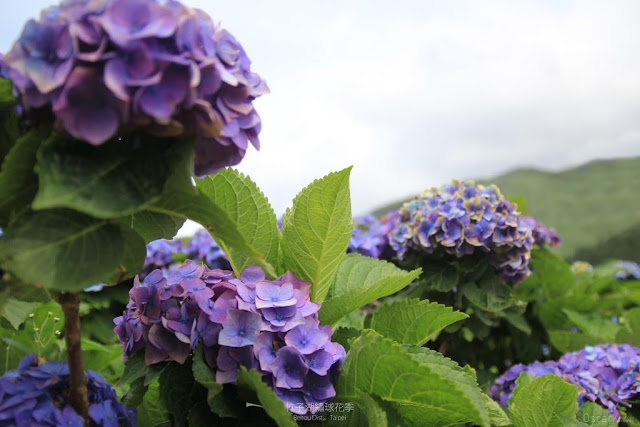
(168, 254)
(607, 374)
(629, 270)
(370, 236)
(460, 219)
(37, 394)
(106, 68)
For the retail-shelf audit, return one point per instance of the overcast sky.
(414, 93)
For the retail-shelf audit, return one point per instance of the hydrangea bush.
(37, 394)
(606, 374)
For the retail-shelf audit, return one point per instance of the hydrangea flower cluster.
(370, 235)
(162, 254)
(107, 67)
(36, 394)
(461, 218)
(608, 374)
(269, 325)
(629, 270)
(542, 235)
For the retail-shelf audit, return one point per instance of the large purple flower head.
(249, 321)
(105, 68)
(607, 374)
(460, 219)
(37, 394)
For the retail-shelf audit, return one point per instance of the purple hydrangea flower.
(270, 294)
(307, 338)
(240, 329)
(606, 374)
(460, 219)
(250, 321)
(105, 68)
(37, 394)
(289, 368)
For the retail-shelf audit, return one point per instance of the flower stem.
(70, 303)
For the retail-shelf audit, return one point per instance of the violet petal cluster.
(269, 325)
(461, 218)
(542, 235)
(162, 254)
(36, 394)
(608, 374)
(108, 67)
(370, 235)
(628, 270)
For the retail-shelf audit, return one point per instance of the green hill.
(595, 207)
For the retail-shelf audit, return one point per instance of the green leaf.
(22, 292)
(9, 120)
(440, 276)
(61, 249)
(273, 406)
(630, 333)
(195, 206)
(176, 384)
(366, 412)
(18, 181)
(355, 320)
(152, 226)
(16, 312)
(344, 336)
(360, 280)
(205, 376)
(413, 321)
(543, 401)
(421, 385)
(135, 394)
(7, 100)
(593, 325)
(593, 414)
(566, 341)
(489, 293)
(316, 231)
(134, 368)
(551, 273)
(133, 256)
(111, 180)
(249, 209)
(497, 416)
(9, 131)
(519, 322)
(200, 416)
(202, 373)
(151, 413)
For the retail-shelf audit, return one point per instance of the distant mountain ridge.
(595, 207)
